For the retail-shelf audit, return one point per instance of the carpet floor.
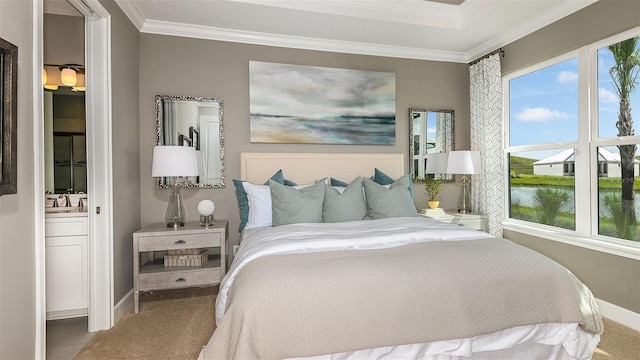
(176, 324)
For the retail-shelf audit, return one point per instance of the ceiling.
(445, 30)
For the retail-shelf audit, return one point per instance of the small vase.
(433, 204)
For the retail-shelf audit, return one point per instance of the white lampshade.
(174, 161)
(68, 77)
(436, 163)
(463, 162)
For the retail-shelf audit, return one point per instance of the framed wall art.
(8, 115)
(319, 105)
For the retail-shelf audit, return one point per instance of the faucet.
(67, 200)
(80, 203)
(55, 201)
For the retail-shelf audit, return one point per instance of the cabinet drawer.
(171, 242)
(178, 279)
(67, 226)
(476, 224)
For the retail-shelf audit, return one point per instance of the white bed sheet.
(552, 341)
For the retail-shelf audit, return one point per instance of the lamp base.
(175, 224)
(175, 215)
(464, 200)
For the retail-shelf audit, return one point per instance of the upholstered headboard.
(308, 167)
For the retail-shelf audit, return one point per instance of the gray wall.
(192, 67)
(125, 146)
(611, 278)
(17, 212)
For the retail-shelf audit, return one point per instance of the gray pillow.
(348, 206)
(290, 205)
(392, 202)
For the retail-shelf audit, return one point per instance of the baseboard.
(123, 306)
(619, 314)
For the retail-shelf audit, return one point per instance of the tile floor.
(66, 337)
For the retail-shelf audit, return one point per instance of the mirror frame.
(159, 138)
(446, 177)
(9, 114)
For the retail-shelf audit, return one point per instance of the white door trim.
(38, 182)
(99, 177)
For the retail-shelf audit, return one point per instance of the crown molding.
(446, 16)
(133, 13)
(256, 38)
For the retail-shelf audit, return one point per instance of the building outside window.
(571, 149)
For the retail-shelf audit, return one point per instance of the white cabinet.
(67, 275)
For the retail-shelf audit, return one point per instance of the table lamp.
(176, 162)
(464, 163)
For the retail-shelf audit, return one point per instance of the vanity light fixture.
(68, 76)
(176, 162)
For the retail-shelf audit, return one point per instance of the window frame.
(585, 168)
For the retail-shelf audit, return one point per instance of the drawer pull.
(181, 242)
(181, 280)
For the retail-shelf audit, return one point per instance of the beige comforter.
(297, 305)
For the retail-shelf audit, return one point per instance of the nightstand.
(149, 272)
(472, 221)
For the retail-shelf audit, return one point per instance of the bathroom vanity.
(67, 271)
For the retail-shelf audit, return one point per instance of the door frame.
(99, 173)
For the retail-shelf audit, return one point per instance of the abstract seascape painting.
(318, 105)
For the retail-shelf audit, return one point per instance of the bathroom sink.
(65, 209)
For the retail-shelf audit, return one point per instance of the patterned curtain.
(487, 137)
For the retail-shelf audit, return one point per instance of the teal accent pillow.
(383, 179)
(346, 206)
(392, 202)
(243, 202)
(336, 182)
(290, 205)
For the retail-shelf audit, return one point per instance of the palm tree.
(624, 74)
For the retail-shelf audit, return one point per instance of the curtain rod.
(500, 51)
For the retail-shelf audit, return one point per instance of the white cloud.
(567, 77)
(540, 115)
(607, 96)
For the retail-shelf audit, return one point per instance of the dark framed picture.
(9, 119)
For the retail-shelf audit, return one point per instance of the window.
(573, 156)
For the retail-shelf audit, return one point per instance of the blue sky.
(544, 104)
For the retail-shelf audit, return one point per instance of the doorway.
(99, 176)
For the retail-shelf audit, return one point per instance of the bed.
(391, 285)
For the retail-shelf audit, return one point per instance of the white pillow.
(259, 197)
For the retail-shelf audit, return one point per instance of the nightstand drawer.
(476, 224)
(177, 279)
(184, 241)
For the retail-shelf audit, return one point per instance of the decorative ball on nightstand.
(206, 209)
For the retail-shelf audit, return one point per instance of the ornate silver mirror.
(197, 122)
(430, 131)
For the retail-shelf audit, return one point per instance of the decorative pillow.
(348, 205)
(243, 202)
(383, 179)
(392, 202)
(292, 205)
(336, 182)
(259, 197)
